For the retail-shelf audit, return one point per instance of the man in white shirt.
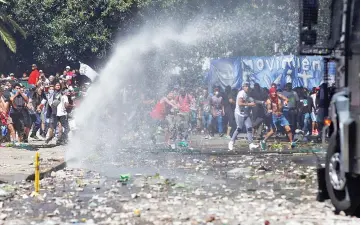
(242, 116)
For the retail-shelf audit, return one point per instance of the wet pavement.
(174, 187)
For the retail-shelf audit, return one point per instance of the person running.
(275, 107)
(163, 114)
(242, 116)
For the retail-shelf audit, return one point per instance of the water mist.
(99, 142)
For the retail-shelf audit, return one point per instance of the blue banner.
(301, 71)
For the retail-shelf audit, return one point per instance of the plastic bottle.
(183, 144)
(124, 177)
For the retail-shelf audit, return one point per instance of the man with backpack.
(57, 104)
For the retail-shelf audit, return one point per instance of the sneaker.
(33, 136)
(230, 146)
(48, 140)
(159, 130)
(307, 134)
(253, 146)
(172, 146)
(298, 131)
(59, 142)
(293, 145)
(206, 137)
(221, 135)
(263, 145)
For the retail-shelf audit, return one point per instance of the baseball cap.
(34, 65)
(245, 84)
(11, 74)
(67, 67)
(40, 71)
(272, 90)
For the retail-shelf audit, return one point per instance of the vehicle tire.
(348, 198)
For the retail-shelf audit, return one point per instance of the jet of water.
(159, 47)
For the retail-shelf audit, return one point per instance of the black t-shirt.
(258, 111)
(305, 104)
(232, 95)
(36, 99)
(322, 100)
(225, 101)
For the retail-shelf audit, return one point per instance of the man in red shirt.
(184, 101)
(34, 75)
(183, 117)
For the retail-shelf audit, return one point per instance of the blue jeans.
(279, 120)
(206, 119)
(306, 121)
(219, 120)
(37, 123)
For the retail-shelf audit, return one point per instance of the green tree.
(7, 29)
(71, 30)
(66, 31)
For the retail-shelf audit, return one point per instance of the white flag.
(87, 71)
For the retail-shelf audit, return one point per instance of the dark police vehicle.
(339, 175)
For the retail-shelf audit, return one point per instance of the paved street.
(171, 187)
(16, 164)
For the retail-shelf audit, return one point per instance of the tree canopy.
(68, 31)
(8, 27)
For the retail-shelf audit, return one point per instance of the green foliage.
(70, 30)
(63, 31)
(7, 29)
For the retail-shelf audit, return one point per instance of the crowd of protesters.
(258, 112)
(42, 105)
(37, 105)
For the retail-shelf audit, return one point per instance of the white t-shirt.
(241, 110)
(313, 96)
(61, 110)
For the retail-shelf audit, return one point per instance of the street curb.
(47, 172)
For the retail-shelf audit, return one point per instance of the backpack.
(56, 101)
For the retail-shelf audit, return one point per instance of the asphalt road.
(174, 187)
